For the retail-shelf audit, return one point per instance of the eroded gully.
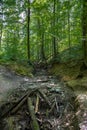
(9, 81)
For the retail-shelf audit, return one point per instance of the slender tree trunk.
(57, 20)
(42, 42)
(1, 24)
(84, 29)
(42, 48)
(28, 31)
(69, 38)
(54, 39)
(39, 38)
(1, 36)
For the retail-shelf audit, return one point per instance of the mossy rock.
(78, 84)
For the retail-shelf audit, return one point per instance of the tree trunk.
(54, 39)
(69, 38)
(1, 36)
(84, 29)
(42, 47)
(28, 31)
(1, 23)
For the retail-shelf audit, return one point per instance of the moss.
(66, 71)
(18, 68)
(72, 74)
(22, 70)
(3, 62)
(78, 84)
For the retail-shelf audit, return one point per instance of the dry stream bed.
(39, 103)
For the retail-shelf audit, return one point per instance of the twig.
(57, 105)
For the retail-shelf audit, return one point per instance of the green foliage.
(75, 52)
(42, 29)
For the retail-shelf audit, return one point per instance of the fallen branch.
(57, 107)
(10, 122)
(37, 104)
(34, 124)
(52, 107)
(14, 108)
(45, 97)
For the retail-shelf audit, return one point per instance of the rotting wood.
(45, 97)
(34, 124)
(19, 103)
(52, 107)
(15, 107)
(37, 104)
(10, 122)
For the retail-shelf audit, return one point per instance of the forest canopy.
(40, 30)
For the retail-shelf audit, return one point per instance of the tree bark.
(84, 30)
(1, 36)
(28, 31)
(42, 47)
(69, 37)
(34, 123)
(54, 39)
(1, 23)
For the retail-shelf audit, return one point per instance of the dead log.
(19, 105)
(34, 123)
(44, 97)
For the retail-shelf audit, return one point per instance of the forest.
(42, 30)
(43, 64)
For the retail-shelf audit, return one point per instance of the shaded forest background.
(40, 30)
(46, 39)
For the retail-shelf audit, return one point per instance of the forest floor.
(74, 75)
(14, 86)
